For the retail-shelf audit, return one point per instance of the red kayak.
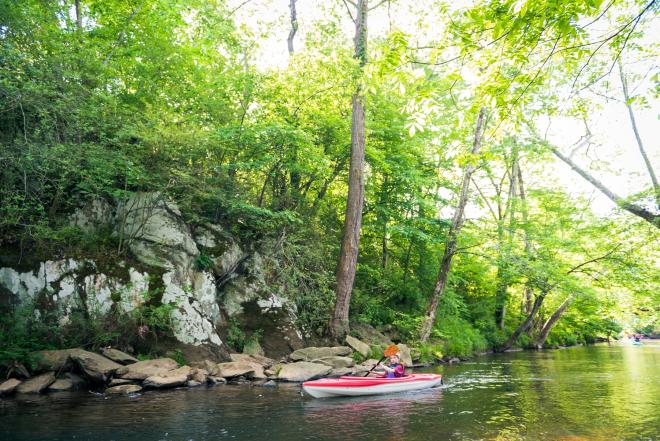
(357, 386)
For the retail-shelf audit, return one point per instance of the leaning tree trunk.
(348, 253)
(452, 236)
(526, 324)
(642, 150)
(294, 26)
(647, 215)
(552, 321)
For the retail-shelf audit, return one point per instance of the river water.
(581, 393)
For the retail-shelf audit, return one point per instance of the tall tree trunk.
(526, 324)
(294, 26)
(528, 246)
(348, 253)
(503, 270)
(650, 217)
(649, 167)
(452, 236)
(552, 321)
(79, 23)
(384, 219)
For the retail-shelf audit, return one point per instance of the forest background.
(490, 204)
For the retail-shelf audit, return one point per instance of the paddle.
(388, 352)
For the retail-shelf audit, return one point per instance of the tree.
(350, 242)
(452, 235)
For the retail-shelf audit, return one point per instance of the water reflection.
(596, 393)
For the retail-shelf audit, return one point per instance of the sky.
(617, 157)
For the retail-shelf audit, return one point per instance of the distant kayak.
(359, 386)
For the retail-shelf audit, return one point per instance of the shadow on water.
(592, 393)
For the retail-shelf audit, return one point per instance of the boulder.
(9, 386)
(96, 367)
(340, 372)
(358, 345)
(58, 360)
(123, 389)
(300, 371)
(147, 368)
(211, 379)
(404, 351)
(61, 385)
(118, 356)
(234, 369)
(369, 334)
(193, 383)
(37, 384)
(313, 353)
(365, 366)
(199, 375)
(120, 382)
(173, 378)
(263, 361)
(336, 362)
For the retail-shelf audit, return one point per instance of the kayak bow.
(358, 386)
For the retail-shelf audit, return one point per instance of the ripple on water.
(577, 394)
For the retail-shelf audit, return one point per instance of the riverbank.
(586, 393)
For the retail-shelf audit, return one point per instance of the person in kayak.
(394, 369)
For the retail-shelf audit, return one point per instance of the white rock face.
(192, 324)
(95, 215)
(155, 232)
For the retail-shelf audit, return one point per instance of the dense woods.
(397, 162)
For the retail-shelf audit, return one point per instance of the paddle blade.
(391, 350)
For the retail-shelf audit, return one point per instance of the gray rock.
(313, 353)
(193, 383)
(96, 367)
(118, 356)
(263, 361)
(340, 372)
(269, 383)
(370, 335)
(61, 385)
(8, 387)
(120, 381)
(147, 368)
(406, 358)
(37, 384)
(235, 369)
(358, 345)
(159, 236)
(57, 360)
(173, 378)
(336, 362)
(454, 360)
(123, 389)
(300, 371)
(199, 375)
(216, 380)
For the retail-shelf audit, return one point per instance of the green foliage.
(176, 105)
(235, 335)
(27, 329)
(203, 262)
(431, 352)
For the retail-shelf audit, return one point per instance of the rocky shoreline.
(115, 372)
